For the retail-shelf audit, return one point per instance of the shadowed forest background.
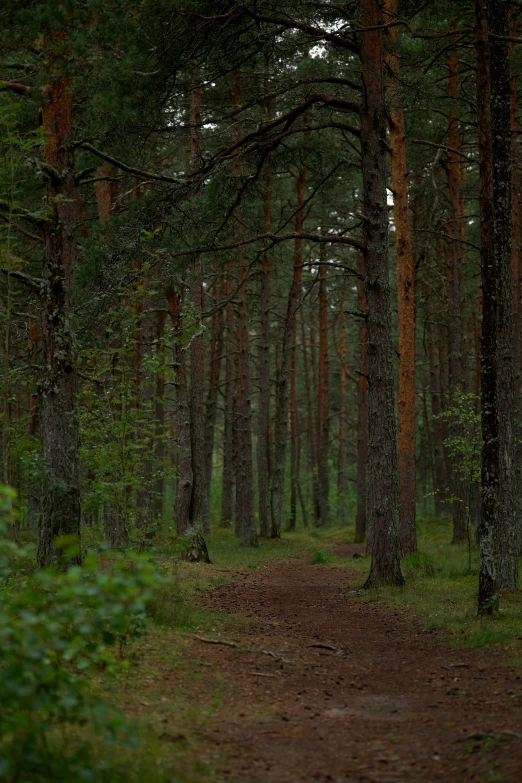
(260, 288)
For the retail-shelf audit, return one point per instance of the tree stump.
(197, 551)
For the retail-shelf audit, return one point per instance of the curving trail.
(389, 702)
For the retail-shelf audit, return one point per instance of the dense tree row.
(202, 208)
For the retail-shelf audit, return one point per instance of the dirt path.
(389, 703)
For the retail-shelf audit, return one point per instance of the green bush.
(319, 557)
(57, 629)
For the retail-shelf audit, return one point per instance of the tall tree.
(405, 299)
(58, 389)
(383, 506)
(498, 532)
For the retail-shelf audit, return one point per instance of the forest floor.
(309, 679)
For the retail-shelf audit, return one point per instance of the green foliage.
(419, 564)
(465, 441)
(121, 448)
(441, 592)
(56, 631)
(320, 557)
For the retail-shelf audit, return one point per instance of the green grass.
(441, 591)
(320, 557)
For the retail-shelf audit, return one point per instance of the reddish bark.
(342, 475)
(383, 500)
(263, 420)
(323, 417)
(515, 215)
(57, 392)
(405, 301)
(362, 411)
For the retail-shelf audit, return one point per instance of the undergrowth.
(441, 591)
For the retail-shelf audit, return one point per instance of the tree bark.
(498, 532)
(383, 501)
(283, 385)
(245, 520)
(57, 393)
(263, 419)
(405, 301)
(197, 348)
(185, 476)
(229, 447)
(342, 473)
(323, 417)
(197, 403)
(159, 442)
(362, 411)
(436, 410)
(245, 524)
(454, 256)
(215, 362)
(309, 419)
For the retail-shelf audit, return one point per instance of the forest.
(260, 390)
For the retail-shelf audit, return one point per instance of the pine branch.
(129, 169)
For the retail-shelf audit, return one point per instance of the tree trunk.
(57, 393)
(405, 302)
(454, 257)
(245, 520)
(159, 442)
(197, 403)
(342, 473)
(436, 410)
(263, 421)
(323, 417)
(283, 386)
(383, 501)
(309, 418)
(294, 431)
(185, 477)
(197, 348)
(229, 447)
(245, 525)
(498, 532)
(216, 359)
(362, 411)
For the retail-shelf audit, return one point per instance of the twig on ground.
(246, 648)
(478, 735)
(207, 640)
(328, 647)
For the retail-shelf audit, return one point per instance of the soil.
(350, 690)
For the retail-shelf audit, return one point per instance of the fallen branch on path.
(207, 640)
(262, 674)
(276, 657)
(479, 735)
(336, 650)
(245, 648)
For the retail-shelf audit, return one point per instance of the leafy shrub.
(319, 557)
(56, 629)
